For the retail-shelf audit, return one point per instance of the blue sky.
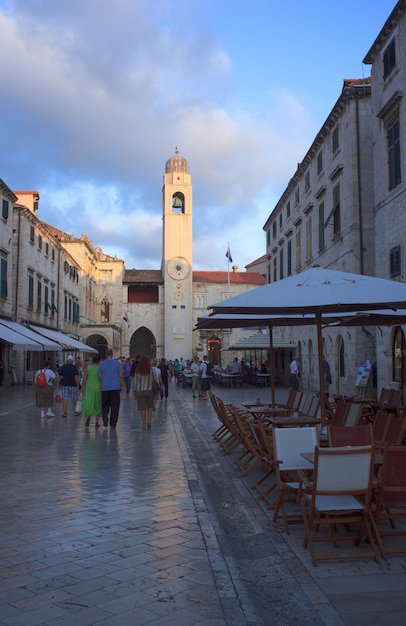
(96, 94)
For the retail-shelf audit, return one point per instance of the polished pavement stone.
(156, 527)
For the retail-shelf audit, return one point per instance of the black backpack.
(209, 368)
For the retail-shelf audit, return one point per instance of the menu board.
(364, 370)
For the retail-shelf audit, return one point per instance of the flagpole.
(228, 272)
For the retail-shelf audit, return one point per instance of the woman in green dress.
(92, 404)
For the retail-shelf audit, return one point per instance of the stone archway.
(99, 343)
(143, 342)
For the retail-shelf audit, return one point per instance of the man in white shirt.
(195, 369)
(294, 374)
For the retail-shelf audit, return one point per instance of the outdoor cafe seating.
(289, 467)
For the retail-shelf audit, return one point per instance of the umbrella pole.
(272, 369)
(321, 377)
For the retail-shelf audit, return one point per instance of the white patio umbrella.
(315, 294)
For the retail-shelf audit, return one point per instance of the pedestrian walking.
(92, 403)
(44, 389)
(166, 378)
(127, 367)
(144, 384)
(157, 390)
(69, 383)
(111, 375)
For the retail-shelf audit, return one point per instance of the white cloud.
(98, 95)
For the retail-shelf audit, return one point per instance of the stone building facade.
(343, 209)
(54, 282)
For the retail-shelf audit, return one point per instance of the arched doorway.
(143, 342)
(398, 358)
(99, 343)
(214, 347)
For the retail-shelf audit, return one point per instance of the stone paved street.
(156, 527)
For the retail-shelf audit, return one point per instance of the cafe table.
(292, 420)
(266, 411)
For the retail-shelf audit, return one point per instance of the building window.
(395, 262)
(53, 307)
(274, 229)
(321, 226)
(298, 248)
(290, 257)
(274, 269)
(65, 306)
(281, 264)
(40, 242)
(335, 140)
(336, 210)
(30, 291)
(297, 196)
(3, 278)
(288, 209)
(268, 237)
(307, 180)
(174, 306)
(389, 58)
(320, 162)
(47, 249)
(280, 219)
(75, 312)
(393, 141)
(309, 239)
(105, 277)
(46, 299)
(39, 295)
(32, 234)
(200, 301)
(53, 254)
(4, 209)
(105, 310)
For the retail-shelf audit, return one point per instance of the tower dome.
(177, 163)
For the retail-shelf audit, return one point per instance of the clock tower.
(177, 258)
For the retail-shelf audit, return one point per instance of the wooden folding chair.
(340, 495)
(340, 412)
(354, 414)
(389, 500)
(289, 444)
(264, 437)
(339, 436)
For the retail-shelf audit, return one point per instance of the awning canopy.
(64, 340)
(23, 338)
(17, 341)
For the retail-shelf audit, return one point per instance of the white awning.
(62, 339)
(18, 341)
(46, 344)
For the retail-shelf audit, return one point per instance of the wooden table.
(267, 413)
(290, 421)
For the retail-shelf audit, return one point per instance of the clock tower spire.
(177, 257)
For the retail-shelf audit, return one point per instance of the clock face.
(178, 268)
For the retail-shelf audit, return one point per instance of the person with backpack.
(206, 369)
(44, 389)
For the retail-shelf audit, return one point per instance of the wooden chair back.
(340, 413)
(380, 426)
(390, 498)
(339, 436)
(353, 414)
